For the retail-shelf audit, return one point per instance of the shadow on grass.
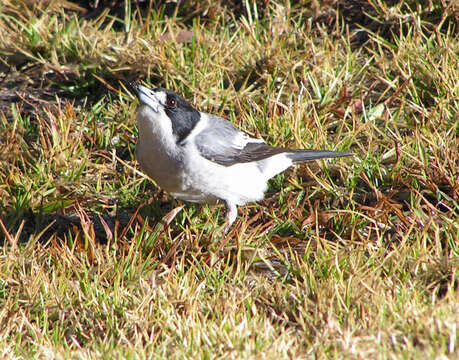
(79, 223)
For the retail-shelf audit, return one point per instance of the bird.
(203, 158)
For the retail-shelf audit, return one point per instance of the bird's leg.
(231, 213)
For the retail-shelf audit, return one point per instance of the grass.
(352, 258)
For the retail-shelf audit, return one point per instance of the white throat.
(155, 128)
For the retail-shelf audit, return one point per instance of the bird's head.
(182, 116)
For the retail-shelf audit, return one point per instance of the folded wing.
(222, 143)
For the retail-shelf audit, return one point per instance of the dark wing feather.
(251, 152)
(222, 143)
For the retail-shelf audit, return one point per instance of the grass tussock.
(353, 258)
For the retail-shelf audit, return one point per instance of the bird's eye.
(171, 102)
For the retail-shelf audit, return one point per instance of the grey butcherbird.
(203, 158)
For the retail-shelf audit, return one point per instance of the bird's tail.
(298, 156)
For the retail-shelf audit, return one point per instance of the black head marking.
(183, 116)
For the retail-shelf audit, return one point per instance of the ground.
(347, 258)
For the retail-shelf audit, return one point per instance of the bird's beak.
(146, 96)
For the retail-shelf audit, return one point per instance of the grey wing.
(222, 143)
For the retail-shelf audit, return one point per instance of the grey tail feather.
(298, 156)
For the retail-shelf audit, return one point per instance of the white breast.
(156, 150)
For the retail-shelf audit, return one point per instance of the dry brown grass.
(350, 259)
